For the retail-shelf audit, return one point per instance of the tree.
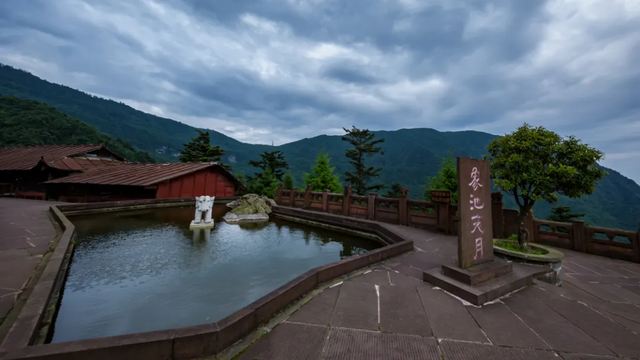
(395, 191)
(322, 177)
(266, 184)
(364, 144)
(446, 179)
(199, 149)
(244, 189)
(563, 214)
(287, 181)
(273, 161)
(536, 164)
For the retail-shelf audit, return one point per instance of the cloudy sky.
(298, 68)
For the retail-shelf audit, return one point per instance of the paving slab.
(613, 335)
(504, 328)
(401, 312)
(458, 350)
(289, 341)
(408, 271)
(400, 279)
(448, 317)
(628, 324)
(319, 309)
(602, 279)
(379, 277)
(620, 291)
(554, 329)
(595, 290)
(567, 356)
(357, 307)
(633, 288)
(367, 345)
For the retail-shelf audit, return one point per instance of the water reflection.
(145, 270)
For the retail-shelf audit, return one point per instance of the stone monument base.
(201, 225)
(485, 282)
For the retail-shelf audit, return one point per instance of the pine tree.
(364, 145)
(395, 191)
(199, 149)
(274, 161)
(266, 184)
(287, 181)
(563, 214)
(322, 177)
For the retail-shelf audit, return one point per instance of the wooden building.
(24, 169)
(128, 181)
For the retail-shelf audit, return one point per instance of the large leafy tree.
(445, 179)
(536, 164)
(365, 145)
(272, 160)
(395, 191)
(199, 149)
(321, 176)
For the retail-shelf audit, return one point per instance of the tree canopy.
(322, 177)
(272, 160)
(535, 164)
(199, 149)
(365, 145)
(266, 184)
(287, 181)
(446, 179)
(394, 191)
(563, 214)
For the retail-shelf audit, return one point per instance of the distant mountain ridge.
(410, 155)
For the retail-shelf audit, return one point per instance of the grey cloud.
(298, 67)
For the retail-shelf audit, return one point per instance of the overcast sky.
(282, 70)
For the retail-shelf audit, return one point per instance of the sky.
(282, 70)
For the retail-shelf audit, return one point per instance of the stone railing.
(402, 210)
(442, 217)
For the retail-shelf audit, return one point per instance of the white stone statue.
(204, 205)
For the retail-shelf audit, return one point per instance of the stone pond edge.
(188, 342)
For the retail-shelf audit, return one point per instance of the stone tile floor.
(389, 313)
(25, 234)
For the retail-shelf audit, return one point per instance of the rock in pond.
(232, 218)
(252, 204)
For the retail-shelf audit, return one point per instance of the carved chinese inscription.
(475, 235)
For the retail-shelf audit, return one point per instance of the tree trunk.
(523, 233)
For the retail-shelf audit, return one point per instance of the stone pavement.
(25, 234)
(389, 313)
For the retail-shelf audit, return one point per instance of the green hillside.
(410, 155)
(29, 122)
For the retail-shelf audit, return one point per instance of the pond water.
(145, 270)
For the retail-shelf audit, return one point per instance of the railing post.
(292, 197)
(371, 206)
(325, 200)
(403, 217)
(346, 200)
(579, 235)
(307, 197)
(497, 214)
(278, 198)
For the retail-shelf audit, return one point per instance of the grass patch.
(515, 247)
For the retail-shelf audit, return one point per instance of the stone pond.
(144, 270)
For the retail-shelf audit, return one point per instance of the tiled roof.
(57, 156)
(132, 174)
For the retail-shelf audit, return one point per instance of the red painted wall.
(205, 182)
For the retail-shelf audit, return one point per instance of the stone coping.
(188, 342)
(110, 206)
(552, 255)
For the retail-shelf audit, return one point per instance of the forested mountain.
(29, 122)
(410, 155)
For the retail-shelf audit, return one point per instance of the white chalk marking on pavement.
(378, 294)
